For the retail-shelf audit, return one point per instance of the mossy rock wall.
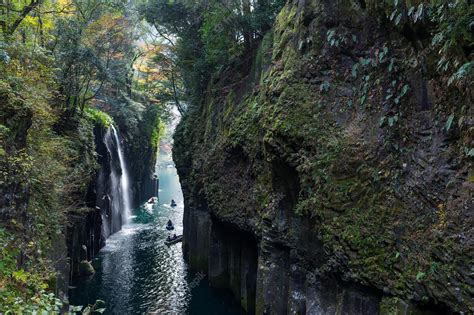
(340, 158)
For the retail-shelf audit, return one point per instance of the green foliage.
(59, 72)
(217, 34)
(46, 162)
(93, 52)
(449, 122)
(335, 40)
(324, 87)
(464, 75)
(23, 292)
(420, 275)
(450, 26)
(453, 34)
(99, 117)
(210, 34)
(96, 308)
(395, 87)
(157, 133)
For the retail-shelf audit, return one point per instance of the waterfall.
(124, 180)
(118, 207)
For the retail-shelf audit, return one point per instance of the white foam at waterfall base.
(117, 240)
(124, 181)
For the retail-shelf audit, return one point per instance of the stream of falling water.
(124, 181)
(119, 193)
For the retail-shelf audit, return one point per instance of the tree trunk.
(26, 10)
(247, 31)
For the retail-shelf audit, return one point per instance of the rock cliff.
(330, 171)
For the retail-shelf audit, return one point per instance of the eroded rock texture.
(326, 180)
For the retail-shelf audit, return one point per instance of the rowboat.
(174, 240)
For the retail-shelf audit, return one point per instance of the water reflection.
(137, 273)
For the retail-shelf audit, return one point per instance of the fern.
(464, 72)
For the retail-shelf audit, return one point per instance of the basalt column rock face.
(334, 158)
(233, 263)
(140, 145)
(85, 233)
(84, 238)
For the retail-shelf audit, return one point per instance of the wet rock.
(393, 306)
(347, 215)
(86, 269)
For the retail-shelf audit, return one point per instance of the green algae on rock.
(337, 162)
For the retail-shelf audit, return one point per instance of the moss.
(262, 59)
(98, 117)
(285, 27)
(392, 306)
(349, 169)
(23, 291)
(86, 268)
(157, 133)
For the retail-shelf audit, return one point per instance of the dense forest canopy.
(66, 67)
(207, 35)
(69, 65)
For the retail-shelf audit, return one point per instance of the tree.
(206, 35)
(15, 14)
(94, 50)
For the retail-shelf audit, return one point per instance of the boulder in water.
(86, 269)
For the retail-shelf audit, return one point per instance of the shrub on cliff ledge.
(99, 117)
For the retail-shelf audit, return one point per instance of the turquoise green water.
(136, 273)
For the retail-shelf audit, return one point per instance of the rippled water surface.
(137, 273)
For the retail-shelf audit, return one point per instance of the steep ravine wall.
(85, 235)
(91, 225)
(55, 183)
(140, 146)
(308, 190)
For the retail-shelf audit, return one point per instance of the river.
(136, 273)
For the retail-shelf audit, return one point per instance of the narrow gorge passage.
(137, 273)
(313, 157)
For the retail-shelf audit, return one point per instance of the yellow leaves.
(63, 3)
(470, 177)
(31, 21)
(148, 70)
(48, 24)
(107, 30)
(20, 276)
(34, 22)
(442, 216)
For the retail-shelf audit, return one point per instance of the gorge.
(112, 203)
(315, 155)
(136, 272)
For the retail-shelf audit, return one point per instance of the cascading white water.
(119, 188)
(124, 181)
